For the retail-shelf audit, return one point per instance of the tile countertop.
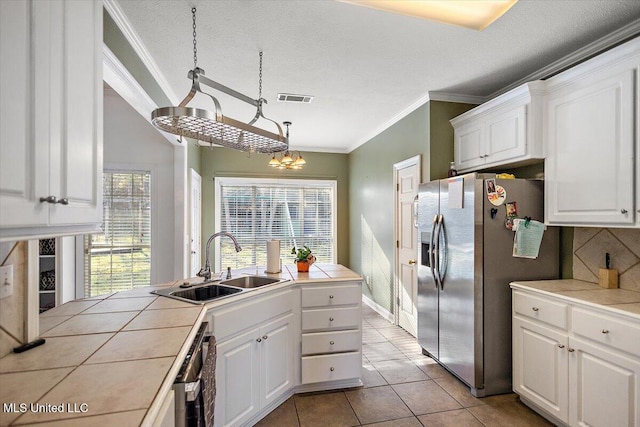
(116, 353)
(619, 300)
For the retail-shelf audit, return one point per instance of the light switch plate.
(6, 281)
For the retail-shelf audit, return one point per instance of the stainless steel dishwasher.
(189, 397)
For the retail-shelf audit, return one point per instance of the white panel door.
(237, 379)
(605, 387)
(76, 112)
(24, 121)
(276, 359)
(195, 233)
(407, 179)
(589, 164)
(540, 367)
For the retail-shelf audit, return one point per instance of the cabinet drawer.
(608, 330)
(331, 318)
(544, 310)
(330, 342)
(331, 295)
(331, 367)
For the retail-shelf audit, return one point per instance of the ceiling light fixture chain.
(260, 79)
(213, 127)
(287, 161)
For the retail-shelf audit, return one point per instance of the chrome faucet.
(206, 270)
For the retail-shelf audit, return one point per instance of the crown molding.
(386, 125)
(601, 45)
(116, 13)
(116, 75)
(457, 97)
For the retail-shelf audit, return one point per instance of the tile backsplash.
(590, 246)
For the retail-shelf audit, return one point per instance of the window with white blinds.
(297, 212)
(120, 258)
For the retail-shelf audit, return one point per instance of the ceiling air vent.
(290, 97)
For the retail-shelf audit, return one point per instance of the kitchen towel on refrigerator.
(273, 256)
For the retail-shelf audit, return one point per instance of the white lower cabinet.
(253, 369)
(540, 369)
(585, 372)
(331, 332)
(303, 338)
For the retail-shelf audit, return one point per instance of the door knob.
(330, 319)
(535, 308)
(64, 201)
(571, 350)
(560, 345)
(623, 211)
(332, 369)
(605, 331)
(49, 199)
(264, 337)
(412, 262)
(331, 342)
(259, 340)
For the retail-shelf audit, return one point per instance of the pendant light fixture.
(287, 161)
(213, 127)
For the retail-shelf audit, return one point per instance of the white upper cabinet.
(504, 131)
(51, 118)
(591, 142)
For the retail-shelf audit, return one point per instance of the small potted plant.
(304, 258)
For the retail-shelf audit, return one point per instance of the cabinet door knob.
(535, 308)
(623, 211)
(49, 199)
(331, 342)
(64, 201)
(332, 369)
(330, 296)
(330, 319)
(264, 337)
(560, 345)
(570, 350)
(259, 340)
(605, 331)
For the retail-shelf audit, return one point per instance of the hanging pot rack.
(213, 127)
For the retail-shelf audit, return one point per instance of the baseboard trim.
(378, 309)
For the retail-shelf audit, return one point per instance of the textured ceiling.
(363, 66)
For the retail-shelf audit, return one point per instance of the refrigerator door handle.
(432, 251)
(445, 252)
(436, 251)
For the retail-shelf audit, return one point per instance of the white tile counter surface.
(621, 301)
(117, 353)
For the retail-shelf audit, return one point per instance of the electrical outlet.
(6, 281)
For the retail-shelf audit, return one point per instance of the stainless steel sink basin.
(251, 282)
(211, 291)
(199, 294)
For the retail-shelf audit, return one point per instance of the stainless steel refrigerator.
(464, 270)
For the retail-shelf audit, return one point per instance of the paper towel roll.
(273, 256)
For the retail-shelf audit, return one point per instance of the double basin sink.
(211, 291)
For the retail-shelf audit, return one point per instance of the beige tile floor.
(402, 388)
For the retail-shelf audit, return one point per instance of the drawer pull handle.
(623, 211)
(259, 340)
(570, 350)
(330, 319)
(264, 337)
(560, 345)
(605, 331)
(332, 369)
(331, 342)
(330, 296)
(535, 308)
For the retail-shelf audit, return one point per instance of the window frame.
(150, 168)
(220, 181)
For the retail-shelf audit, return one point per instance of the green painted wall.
(441, 136)
(426, 132)
(118, 44)
(224, 162)
(194, 159)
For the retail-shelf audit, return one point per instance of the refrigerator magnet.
(495, 193)
(512, 209)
